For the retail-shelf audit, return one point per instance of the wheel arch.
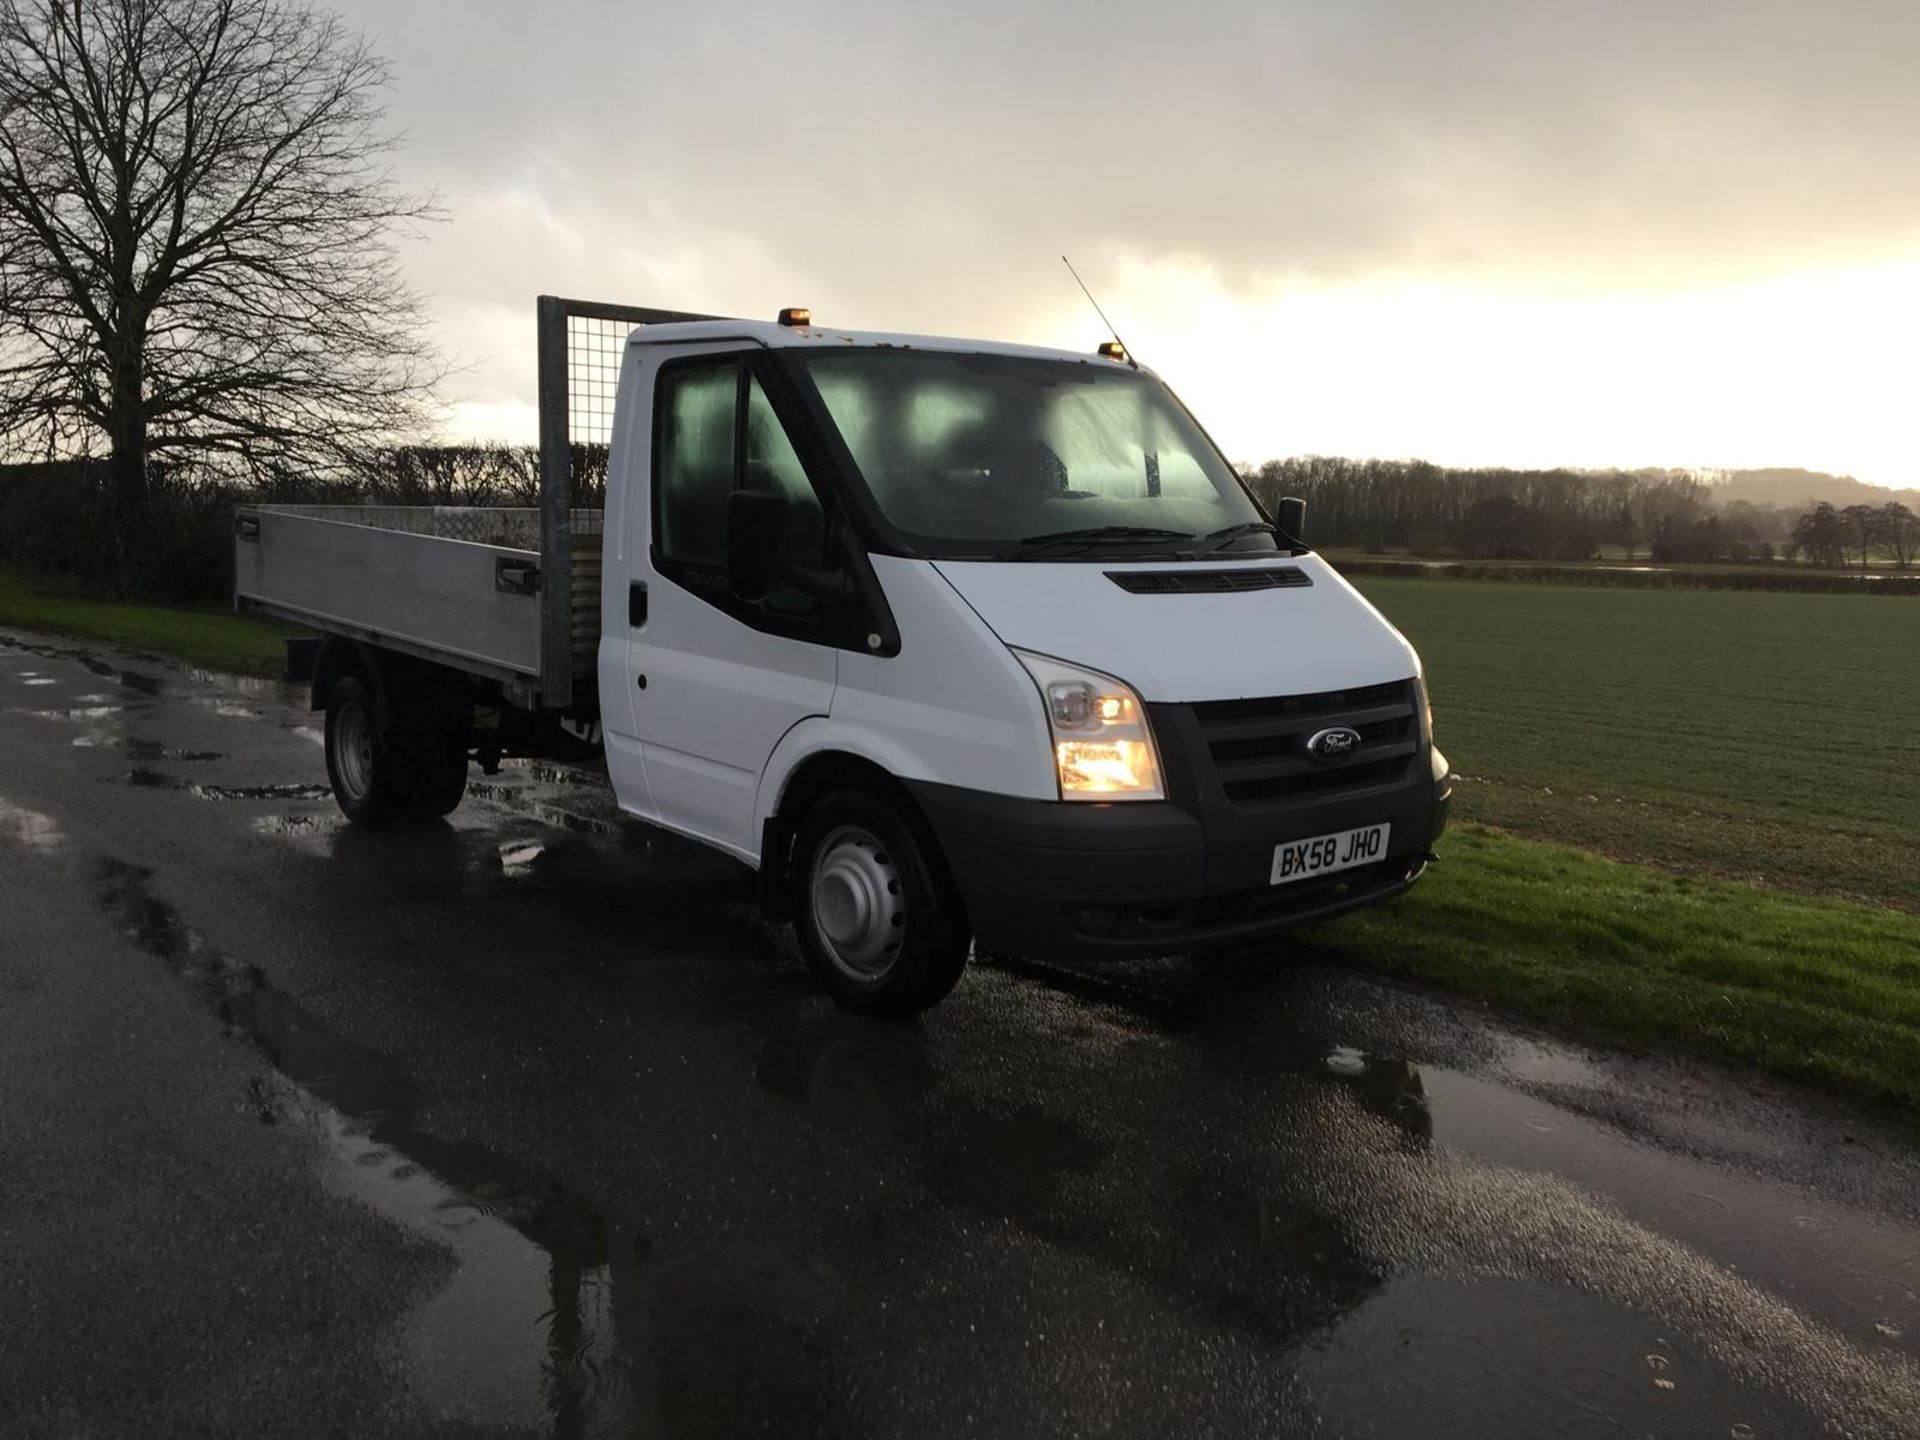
(338, 657)
(814, 768)
(408, 693)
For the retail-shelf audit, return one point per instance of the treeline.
(1838, 534)
(484, 473)
(55, 524)
(1498, 514)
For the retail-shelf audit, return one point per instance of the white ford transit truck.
(952, 642)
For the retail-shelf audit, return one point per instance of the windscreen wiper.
(1099, 535)
(1220, 539)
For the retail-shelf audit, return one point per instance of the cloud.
(912, 166)
(900, 148)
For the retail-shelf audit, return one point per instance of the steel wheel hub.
(353, 750)
(859, 904)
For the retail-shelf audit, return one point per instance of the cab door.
(716, 681)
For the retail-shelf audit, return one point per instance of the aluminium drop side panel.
(423, 594)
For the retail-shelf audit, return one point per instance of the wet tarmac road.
(526, 1125)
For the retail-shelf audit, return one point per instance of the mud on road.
(526, 1123)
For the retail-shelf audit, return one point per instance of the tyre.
(445, 781)
(375, 775)
(877, 915)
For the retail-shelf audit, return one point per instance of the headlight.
(1426, 710)
(1102, 744)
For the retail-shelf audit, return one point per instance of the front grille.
(1220, 712)
(1265, 747)
(1347, 777)
(1209, 582)
(1257, 747)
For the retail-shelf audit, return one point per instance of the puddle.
(29, 827)
(153, 750)
(548, 773)
(516, 861)
(254, 686)
(1573, 1358)
(229, 709)
(79, 712)
(516, 798)
(260, 792)
(298, 827)
(553, 1318)
(1551, 1065)
(1481, 1168)
(160, 780)
(132, 679)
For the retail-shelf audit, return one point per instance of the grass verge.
(1815, 990)
(214, 638)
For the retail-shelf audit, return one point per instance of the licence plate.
(1324, 854)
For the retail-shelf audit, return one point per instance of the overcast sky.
(1508, 231)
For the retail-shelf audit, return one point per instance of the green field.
(1771, 738)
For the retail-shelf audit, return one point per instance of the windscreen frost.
(975, 453)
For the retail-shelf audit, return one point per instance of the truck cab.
(958, 643)
(954, 643)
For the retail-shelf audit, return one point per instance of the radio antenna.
(1101, 313)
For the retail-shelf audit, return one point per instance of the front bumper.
(1075, 880)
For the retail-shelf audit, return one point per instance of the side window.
(696, 405)
(771, 464)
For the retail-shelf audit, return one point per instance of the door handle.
(636, 604)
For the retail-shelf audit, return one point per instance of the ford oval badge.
(1336, 742)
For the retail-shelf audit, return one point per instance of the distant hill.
(1797, 487)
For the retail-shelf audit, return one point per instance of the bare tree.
(197, 232)
(1900, 529)
(1824, 533)
(1863, 526)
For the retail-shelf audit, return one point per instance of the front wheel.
(877, 916)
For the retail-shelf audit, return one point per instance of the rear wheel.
(372, 781)
(877, 916)
(445, 781)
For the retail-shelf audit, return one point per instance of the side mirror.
(1292, 518)
(756, 542)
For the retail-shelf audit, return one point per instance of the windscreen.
(972, 453)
